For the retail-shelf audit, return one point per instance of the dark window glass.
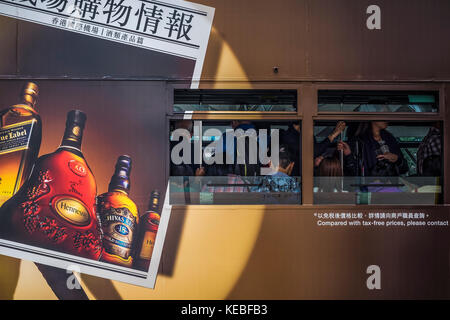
(242, 170)
(378, 101)
(376, 162)
(235, 100)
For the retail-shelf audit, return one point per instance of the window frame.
(307, 114)
(441, 115)
(232, 115)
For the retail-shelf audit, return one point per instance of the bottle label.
(12, 138)
(118, 225)
(15, 137)
(78, 168)
(148, 242)
(71, 210)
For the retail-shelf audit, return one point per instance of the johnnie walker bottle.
(55, 208)
(148, 228)
(20, 140)
(119, 216)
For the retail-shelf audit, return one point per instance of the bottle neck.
(116, 189)
(29, 101)
(73, 136)
(154, 204)
(120, 182)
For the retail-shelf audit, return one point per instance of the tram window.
(376, 162)
(235, 100)
(235, 163)
(378, 101)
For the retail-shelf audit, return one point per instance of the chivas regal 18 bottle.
(55, 208)
(119, 216)
(20, 140)
(148, 228)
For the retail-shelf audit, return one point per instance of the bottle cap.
(123, 166)
(121, 178)
(30, 93)
(31, 89)
(155, 193)
(154, 200)
(76, 117)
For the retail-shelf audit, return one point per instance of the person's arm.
(350, 166)
(321, 147)
(395, 155)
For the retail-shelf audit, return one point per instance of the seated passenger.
(285, 165)
(280, 180)
(228, 182)
(349, 165)
(292, 139)
(330, 173)
(184, 169)
(242, 169)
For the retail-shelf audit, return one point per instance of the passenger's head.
(237, 123)
(379, 125)
(286, 163)
(438, 125)
(296, 126)
(184, 124)
(330, 167)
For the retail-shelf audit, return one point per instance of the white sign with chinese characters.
(174, 27)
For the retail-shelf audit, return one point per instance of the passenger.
(235, 173)
(281, 179)
(376, 151)
(222, 179)
(330, 172)
(328, 148)
(285, 165)
(247, 168)
(429, 153)
(185, 169)
(320, 148)
(292, 139)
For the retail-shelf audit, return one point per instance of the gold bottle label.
(13, 138)
(148, 242)
(119, 225)
(72, 210)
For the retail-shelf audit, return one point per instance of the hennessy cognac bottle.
(148, 228)
(119, 216)
(55, 208)
(20, 140)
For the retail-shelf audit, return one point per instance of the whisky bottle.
(20, 141)
(119, 216)
(148, 228)
(55, 208)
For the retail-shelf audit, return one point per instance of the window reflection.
(376, 162)
(238, 162)
(378, 101)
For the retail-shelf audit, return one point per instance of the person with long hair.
(330, 173)
(376, 151)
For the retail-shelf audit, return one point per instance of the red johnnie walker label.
(55, 208)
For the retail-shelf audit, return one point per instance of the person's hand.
(340, 126)
(289, 168)
(391, 157)
(317, 161)
(343, 146)
(200, 172)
